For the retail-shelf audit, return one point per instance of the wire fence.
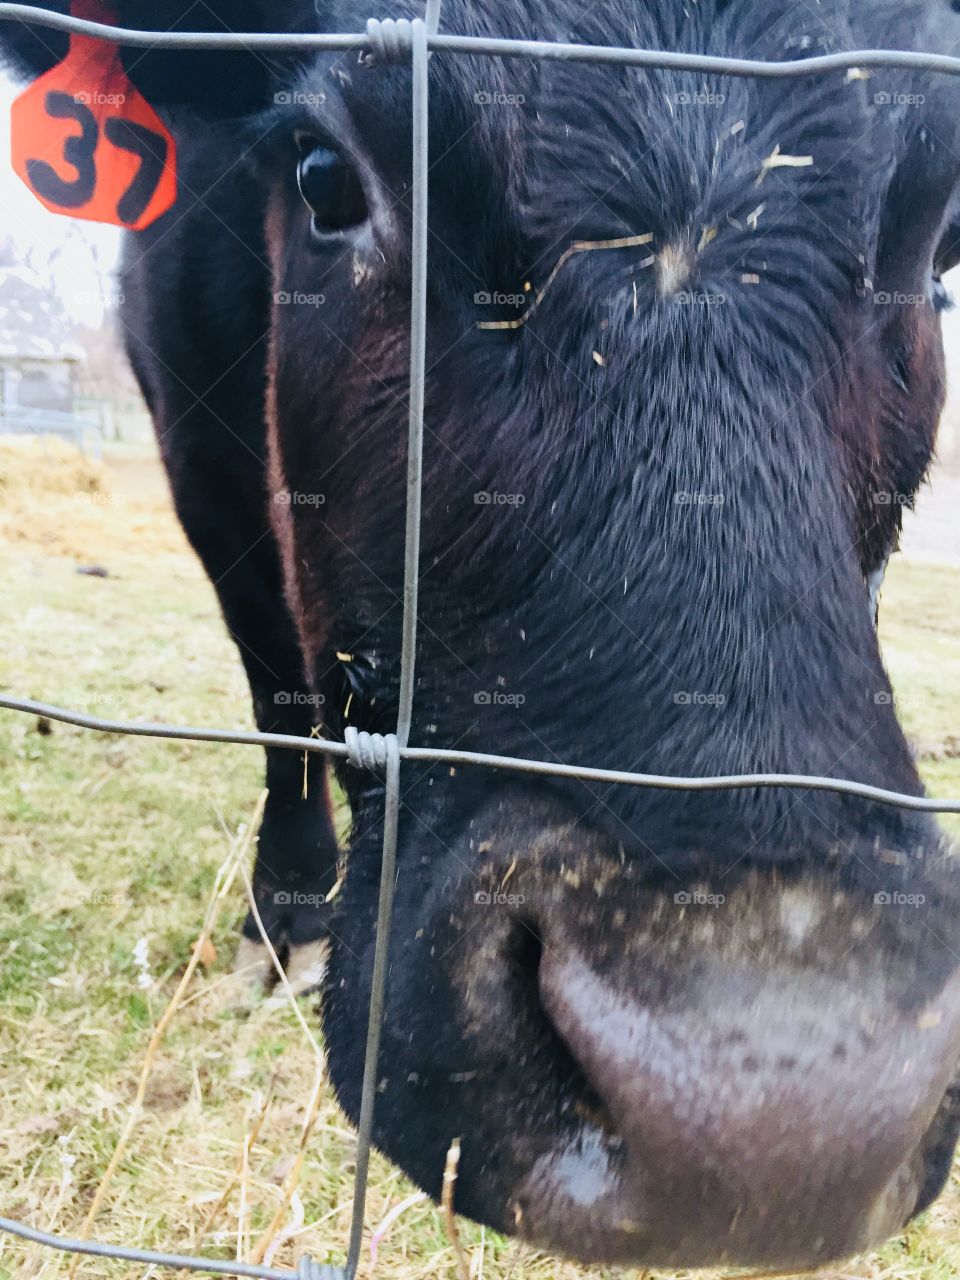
(404, 41)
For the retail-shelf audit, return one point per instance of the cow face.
(661, 474)
(684, 369)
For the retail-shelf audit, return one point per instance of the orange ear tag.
(87, 143)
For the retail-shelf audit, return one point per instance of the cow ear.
(214, 82)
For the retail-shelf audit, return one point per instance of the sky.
(87, 253)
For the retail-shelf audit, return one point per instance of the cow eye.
(331, 189)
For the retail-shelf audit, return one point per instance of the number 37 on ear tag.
(87, 143)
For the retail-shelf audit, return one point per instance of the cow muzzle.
(768, 1090)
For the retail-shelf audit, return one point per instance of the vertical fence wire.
(378, 988)
(418, 363)
(418, 369)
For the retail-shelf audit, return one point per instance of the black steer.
(671, 1030)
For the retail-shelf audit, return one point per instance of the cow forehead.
(599, 153)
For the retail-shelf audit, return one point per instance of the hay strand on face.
(777, 160)
(579, 246)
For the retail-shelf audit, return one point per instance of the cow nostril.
(525, 953)
(526, 950)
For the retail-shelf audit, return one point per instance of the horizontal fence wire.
(390, 41)
(184, 1262)
(481, 760)
(658, 59)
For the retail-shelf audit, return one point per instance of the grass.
(108, 841)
